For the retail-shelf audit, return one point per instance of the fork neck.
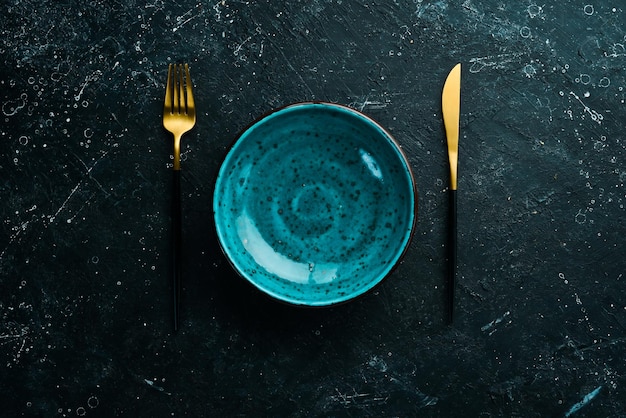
(177, 152)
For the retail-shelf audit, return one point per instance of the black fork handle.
(176, 246)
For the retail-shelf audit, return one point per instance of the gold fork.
(179, 116)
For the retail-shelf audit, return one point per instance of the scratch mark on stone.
(116, 120)
(492, 324)
(22, 333)
(51, 218)
(79, 184)
(67, 199)
(296, 72)
(367, 102)
(155, 386)
(595, 116)
(238, 49)
(186, 18)
(13, 238)
(579, 405)
(617, 50)
(371, 104)
(346, 399)
(95, 76)
(89, 169)
(492, 61)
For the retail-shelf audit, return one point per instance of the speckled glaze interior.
(314, 204)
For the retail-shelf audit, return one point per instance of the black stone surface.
(85, 314)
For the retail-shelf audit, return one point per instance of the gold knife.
(451, 109)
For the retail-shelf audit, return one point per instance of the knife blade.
(451, 110)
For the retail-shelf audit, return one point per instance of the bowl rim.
(379, 280)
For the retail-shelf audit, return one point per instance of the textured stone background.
(84, 221)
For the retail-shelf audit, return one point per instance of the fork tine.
(191, 106)
(167, 107)
(176, 85)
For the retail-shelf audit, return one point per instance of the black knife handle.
(176, 246)
(452, 234)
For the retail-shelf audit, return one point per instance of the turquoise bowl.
(315, 204)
